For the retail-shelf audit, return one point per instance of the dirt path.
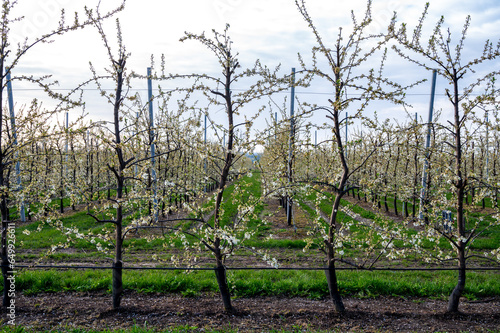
(260, 314)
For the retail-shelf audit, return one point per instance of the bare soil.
(259, 314)
(60, 311)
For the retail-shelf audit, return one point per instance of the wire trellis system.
(261, 268)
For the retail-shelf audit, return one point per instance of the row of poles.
(289, 201)
(14, 135)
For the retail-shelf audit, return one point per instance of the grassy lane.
(310, 284)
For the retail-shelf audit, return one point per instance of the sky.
(270, 30)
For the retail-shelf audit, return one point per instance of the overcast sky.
(270, 30)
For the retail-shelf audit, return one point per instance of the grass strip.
(310, 284)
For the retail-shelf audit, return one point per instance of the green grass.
(277, 243)
(264, 283)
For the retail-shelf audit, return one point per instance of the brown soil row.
(259, 314)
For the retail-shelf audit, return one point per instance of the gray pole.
(136, 132)
(66, 172)
(345, 143)
(275, 125)
(205, 159)
(66, 126)
(14, 135)
(346, 120)
(487, 144)
(151, 124)
(427, 145)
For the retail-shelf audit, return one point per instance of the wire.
(258, 268)
(281, 92)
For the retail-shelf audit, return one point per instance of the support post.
(427, 145)
(205, 159)
(275, 125)
(486, 171)
(151, 138)
(136, 132)
(14, 135)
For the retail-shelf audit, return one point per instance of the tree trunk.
(331, 275)
(220, 273)
(61, 205)
(224, 176)
(459, 288)
(331, 278)
(6, 272)
(117, 284)
(460, 185)
(289, 211)
(414, 205)
(396, 204)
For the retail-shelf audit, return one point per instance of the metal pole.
(205, 158)
(136, 132)
(345, 143)
(275, 125)
(151, 138)
(427, 145)
(14, 135)
(346, 121)
(289, 210)
(66, 126)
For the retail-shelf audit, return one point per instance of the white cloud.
(271, 30)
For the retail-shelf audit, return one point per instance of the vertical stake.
(275, 125)
(487, 145)
(205, 158)
(427, 145)
(136, 133)
(346, 123)
(14, 135)
(66, 127)
(151, 139)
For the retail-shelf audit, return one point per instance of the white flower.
(233, 240)
(26, 232)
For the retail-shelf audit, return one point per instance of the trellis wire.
(262, 268)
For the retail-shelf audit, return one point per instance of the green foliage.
(262, 283)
